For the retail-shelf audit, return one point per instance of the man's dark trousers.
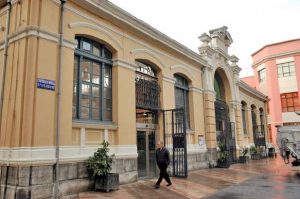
(163, 174)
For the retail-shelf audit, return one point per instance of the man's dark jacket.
(162, 157)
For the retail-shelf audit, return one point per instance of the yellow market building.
(76, 72)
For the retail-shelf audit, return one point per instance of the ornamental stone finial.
(205, 39)
(234, 59)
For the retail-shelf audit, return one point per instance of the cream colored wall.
(29, 114)
(290, 117)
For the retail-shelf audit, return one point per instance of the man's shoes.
(156, 186)
(169, 184)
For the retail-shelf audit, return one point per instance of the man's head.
(159, 144)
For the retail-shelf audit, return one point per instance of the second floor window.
(262, 75)
(286, 69)
(290, 102)
(92, 81)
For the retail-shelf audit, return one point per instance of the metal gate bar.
(175, 140)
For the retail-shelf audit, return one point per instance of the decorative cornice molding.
(149, 52)
(124, 34)
(97, 27)
(255, 92)
(268, 58)
(124, 64)
(116, 14)
(3, 11)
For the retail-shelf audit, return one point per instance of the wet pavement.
(265, 179)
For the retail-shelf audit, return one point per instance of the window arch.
(182, 96)
(92, 81)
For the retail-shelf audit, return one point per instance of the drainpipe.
(5, 57)
(57, 149)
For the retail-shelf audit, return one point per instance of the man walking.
(163, 161)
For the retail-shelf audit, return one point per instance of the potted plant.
(99, 167)
(223, 160)
(243, 153)
(254, 153)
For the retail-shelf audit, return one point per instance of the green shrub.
(101, 163)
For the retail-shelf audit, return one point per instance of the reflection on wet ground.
(266, 179)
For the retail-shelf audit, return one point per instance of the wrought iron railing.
(147, 93)
(259, 135)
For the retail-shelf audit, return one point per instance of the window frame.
(290, 102)
(288, 65)
(104, 60)
(182, 85)
(262, 75)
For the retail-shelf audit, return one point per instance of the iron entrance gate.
(225, 129)
(175, 141)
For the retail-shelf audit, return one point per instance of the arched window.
(146, 87)
(244, 116)
(182, 96)
(219, 88)
(92, 81)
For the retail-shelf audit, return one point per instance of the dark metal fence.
(175, 140)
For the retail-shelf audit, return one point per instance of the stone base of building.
(197, 161)
(212, 157)
(37, 182)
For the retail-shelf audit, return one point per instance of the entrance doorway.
(146, 153)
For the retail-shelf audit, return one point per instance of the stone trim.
(124, 64)
(94, 125)
(196, 90)
(122, 34)
(169, 79)
(99, 28)
(3, 11)
(33, 31)
(253, 91)
(149, 52)
(45, 155)
(270, 57)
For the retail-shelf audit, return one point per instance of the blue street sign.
(46, 84)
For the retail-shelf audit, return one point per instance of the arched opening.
(147, 92)
(225, 129)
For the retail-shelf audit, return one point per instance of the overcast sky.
(251, 23)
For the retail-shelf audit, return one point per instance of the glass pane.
(96, 91)
(107, 54)
(85, 73)
(85, 100)
(290, 102)
(96, 49)
(84, 113)
(141, 149)
(85, 89)
(96, 79)
(107, 93)
(107, 71)
(291, 109)
(107, 115)
(77, 42)
(95, 114)
(86, 46)
(96, 103)
(108, 104)
(107, 82)
(75, 95)
(96, 68)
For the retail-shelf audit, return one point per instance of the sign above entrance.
(46, 84)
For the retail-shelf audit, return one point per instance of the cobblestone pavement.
(265, 179)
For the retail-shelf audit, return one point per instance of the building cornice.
(253, 91)
(270, 57)
(117, 15)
